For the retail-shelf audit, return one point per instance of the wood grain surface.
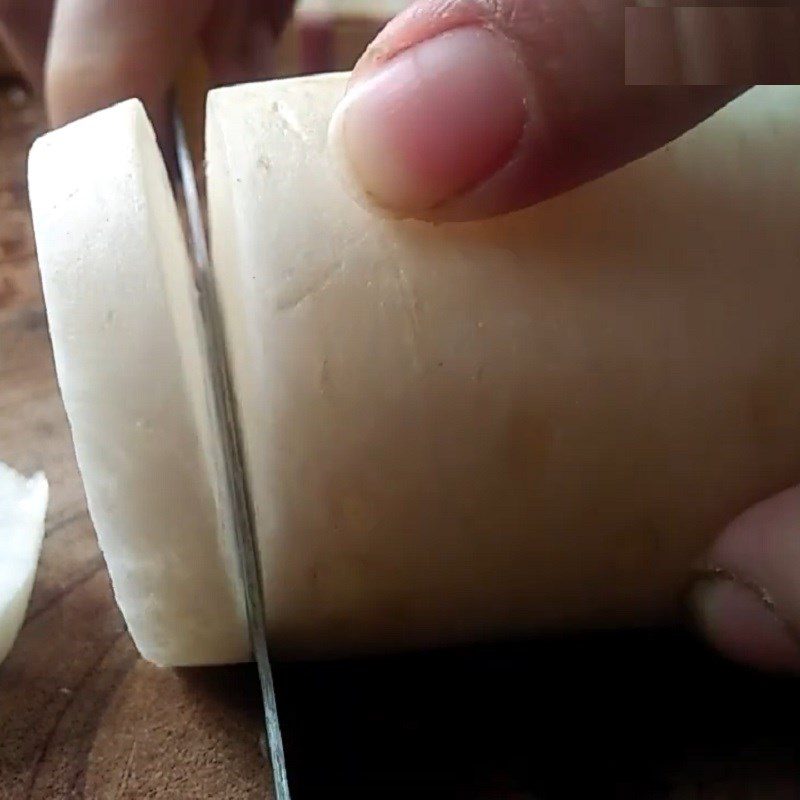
(634, 716)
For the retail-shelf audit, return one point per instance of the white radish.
(23, 505)
(453, 432)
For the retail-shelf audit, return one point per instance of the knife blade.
(235, 499)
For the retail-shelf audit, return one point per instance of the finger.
(463, 109)
(101, 53)
(748, 601)
(24, 26)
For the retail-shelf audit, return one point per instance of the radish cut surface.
(23, 505)
(122, 314)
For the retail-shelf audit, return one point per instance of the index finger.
(101, 53)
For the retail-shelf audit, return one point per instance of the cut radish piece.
(122, 317)
(23, 505)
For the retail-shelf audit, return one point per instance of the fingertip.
(432, 123)
(742, 623)
(748, 605)
(343, 164)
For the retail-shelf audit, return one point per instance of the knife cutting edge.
(235, 499)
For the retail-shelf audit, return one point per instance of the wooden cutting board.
(631, 716)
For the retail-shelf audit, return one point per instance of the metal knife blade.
(235, 497)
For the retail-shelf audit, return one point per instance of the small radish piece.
(23, 504)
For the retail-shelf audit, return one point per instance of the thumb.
(748, 601)
(463, 109)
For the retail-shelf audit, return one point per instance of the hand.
(463, 109)
(100, 52)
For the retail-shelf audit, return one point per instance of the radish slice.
(121, 309)
(23, 505)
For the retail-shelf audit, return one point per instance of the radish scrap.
(23, 505)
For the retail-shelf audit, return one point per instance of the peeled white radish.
(23, 505)
(453, 432)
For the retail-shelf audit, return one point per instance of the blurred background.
(324, 35)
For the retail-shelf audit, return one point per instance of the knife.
(235, 499)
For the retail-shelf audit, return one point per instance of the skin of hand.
(87, 54)
(464, 109)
